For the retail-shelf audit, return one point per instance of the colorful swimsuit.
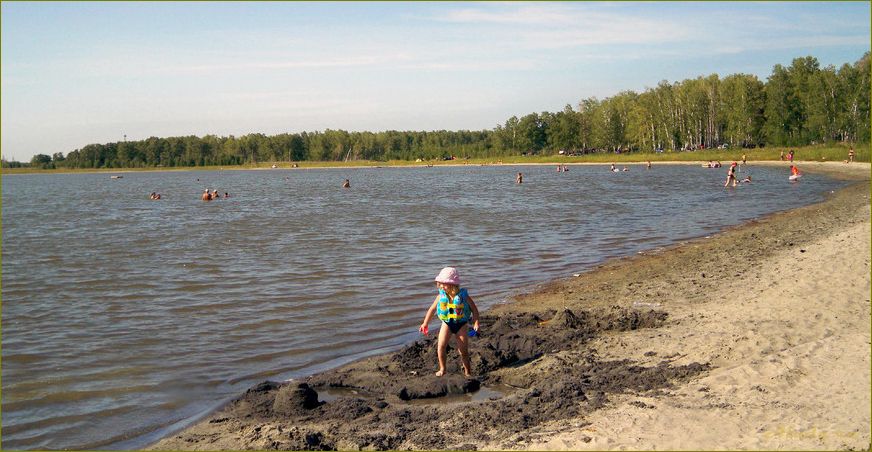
(454, 312)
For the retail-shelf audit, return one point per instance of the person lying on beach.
(456, 309)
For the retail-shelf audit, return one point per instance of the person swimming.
(346, 184)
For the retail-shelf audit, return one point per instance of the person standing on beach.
(731, 175)
(851, 155)
(456, 309)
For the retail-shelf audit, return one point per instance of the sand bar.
(755, 338)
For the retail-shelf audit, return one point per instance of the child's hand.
(424, 329)
(475, 325)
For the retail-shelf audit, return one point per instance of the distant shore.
(804, 155)
(441, 164)
(754, 338)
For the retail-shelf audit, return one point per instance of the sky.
(76, 73)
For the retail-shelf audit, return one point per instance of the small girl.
(456, 309)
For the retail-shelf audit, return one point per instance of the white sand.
(790, 342)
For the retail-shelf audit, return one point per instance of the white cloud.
(553, 26)
(530, 15)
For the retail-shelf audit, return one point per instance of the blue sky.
(75, 73)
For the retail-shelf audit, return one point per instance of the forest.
(798, 105)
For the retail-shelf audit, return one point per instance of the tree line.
(797, 105)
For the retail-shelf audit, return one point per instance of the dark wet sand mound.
(533, 367)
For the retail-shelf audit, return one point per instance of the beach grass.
(818, 153)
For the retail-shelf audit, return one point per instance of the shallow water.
(123, 318)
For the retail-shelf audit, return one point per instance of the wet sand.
(756, 338)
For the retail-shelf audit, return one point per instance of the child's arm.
(424, 326)
(474, 309)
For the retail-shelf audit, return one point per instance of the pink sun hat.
(448, 275)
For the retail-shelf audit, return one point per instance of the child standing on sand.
(456, 309)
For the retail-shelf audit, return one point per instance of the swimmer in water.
(346, 184)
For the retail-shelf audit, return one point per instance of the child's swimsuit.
(455, 313)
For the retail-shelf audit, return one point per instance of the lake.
(125, 318)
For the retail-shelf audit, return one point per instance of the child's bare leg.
(441, 346)
(463, 348)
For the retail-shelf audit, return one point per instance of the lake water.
(123, 318)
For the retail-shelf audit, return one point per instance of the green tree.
(41, 161)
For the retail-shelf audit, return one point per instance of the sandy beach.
(754, 338)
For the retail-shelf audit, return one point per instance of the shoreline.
(440, 164)
(629, 323)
